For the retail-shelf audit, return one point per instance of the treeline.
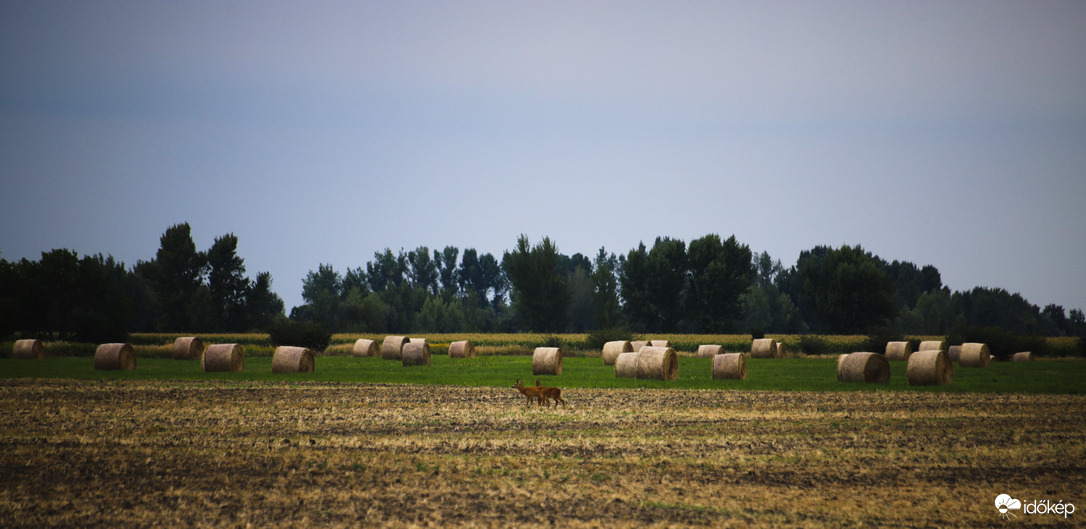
(709, 285)
(97, 299)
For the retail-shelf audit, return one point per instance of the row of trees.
(711, 285)
(97, 299)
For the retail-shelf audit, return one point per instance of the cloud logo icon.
(1005, 503)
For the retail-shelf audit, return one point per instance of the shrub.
(757, 333)
(812, 344)
(299, 333)
(878, 337)
(553, 341)
(1001, 343)
(598, 337)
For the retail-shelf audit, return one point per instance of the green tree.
(666, 282)
(175, 276)
(264, 306)
(720, 273)
(540, 292)
(847, 289)
(322, 292)
(447, 268)
(633, 278)
(228, 285)
(423, 270)
(605, 283)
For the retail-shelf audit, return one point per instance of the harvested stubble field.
(137, 453)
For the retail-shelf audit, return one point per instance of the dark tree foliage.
(720, 272)
(847, 289)
(605, 283)
(175, 276)
(540, 293)
(228, 285)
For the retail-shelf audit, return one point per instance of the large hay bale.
(416, 352)
(188, 348)
(929, 368)
(547, 361)
(782, 351)
(954, 353)
(611, 350)
(289, 359)
(871, 368)
(899, 351)
(462, 349)
(764, 348)
(392, 347)
(730, 366)
(115, 356)
(28, 349)
(974, 355)
(932, 345)
(657, 363)
(364, 347)
(709, 351)
(637, 345)
(626, 365)
(659, 343)
(223, 357)
(1026, 356)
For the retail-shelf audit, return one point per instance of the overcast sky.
(942, 133)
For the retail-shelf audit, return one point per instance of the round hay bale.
(932, 345)
(870, 368)
(115, 356)
(709, 351)
(223, 357)
(782, 351)
(954, 353)
(730, 366)
(547, 361)
(636, 345)
(364, 347)
(289, 359)
(1026, 356)
(188, 348)
(462, 349)
(626, 365)
(657, 363)
(611, 350)
(763, 348)
(27, 349)
(416, 352)
(974, 355)
(899, 351)
(659, 343)
(392, 347)
(929, 368)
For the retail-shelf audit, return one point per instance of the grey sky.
(943, 133)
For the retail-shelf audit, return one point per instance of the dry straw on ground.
(547, 361)
(364, 347)
(416, 352)
(1025, 356)
(763, 348)
(899, 351)
(188, 348)
(293, 360)
(657, 363)
(709, 351)
(28, 349)
(929, 368)
(974, 355)
(462, 349)
(115, 356)
(730, 366)
(611, 350)
(870, 368)
(626, 365)
(223, 357)
(954, 353)
(932, 345)
(392, 347)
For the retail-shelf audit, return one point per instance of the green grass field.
(790, 374)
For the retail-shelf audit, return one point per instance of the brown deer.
(550, 393)
(529, 392)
